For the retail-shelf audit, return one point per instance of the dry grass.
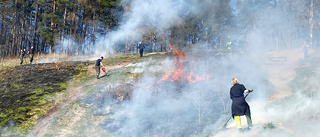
(10, 62)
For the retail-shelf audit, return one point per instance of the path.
(281, 75)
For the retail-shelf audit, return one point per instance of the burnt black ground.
(23, 86)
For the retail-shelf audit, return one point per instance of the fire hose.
(225, 124)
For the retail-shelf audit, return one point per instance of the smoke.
(295, 115)
(201, 108)
(181, 109)
(141, 16)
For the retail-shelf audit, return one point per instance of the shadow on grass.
(105, 75)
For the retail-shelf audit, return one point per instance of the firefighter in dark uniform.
(228, 45)
(31, 53)
(239, 106)
(22, 54)
(141, 48)
(97, 66)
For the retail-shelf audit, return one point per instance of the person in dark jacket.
(22, 54)
(239, 106)
(31, 53)
(141, 48)
(97, 66)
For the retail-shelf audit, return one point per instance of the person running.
(239, 106)
(97, 66)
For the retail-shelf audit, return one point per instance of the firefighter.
(141, 48)
(228, 45)
(239, 105)
(31, 53)
(97, 66)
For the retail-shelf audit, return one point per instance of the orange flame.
(177, 74)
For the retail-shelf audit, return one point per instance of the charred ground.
(27, 90)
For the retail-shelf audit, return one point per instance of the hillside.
(162, 94)
(32, 92)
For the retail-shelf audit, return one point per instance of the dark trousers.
(31, 58)
(141, 53)
(21, 59)
(97, 70)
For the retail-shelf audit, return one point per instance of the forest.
(80, 27)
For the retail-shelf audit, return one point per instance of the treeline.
(73, 26)
(45, 24)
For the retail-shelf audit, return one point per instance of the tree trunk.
(135, 48)
(126, 45)
(35, 29)
(53, 26)
(154, 43)
(84, 38)
(22, 28)
(62, 32)
(311, 21)
(94, 29)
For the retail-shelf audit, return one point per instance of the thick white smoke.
(189, 111)
(141, 16)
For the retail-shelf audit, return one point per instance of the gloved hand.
(250, 90)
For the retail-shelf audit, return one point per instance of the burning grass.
(181, 71)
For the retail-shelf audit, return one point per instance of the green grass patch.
(85, 80)
(37, 91)
(115, 60)
(82, 74)
(304, 81)
(269, 125)
(16, 86)
(36, 105)
(62, 85)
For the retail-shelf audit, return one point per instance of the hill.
(163, 94)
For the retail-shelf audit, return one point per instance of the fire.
(178, 73)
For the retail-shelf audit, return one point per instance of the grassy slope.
(83, 117)
(32, 91)
(307, 74)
